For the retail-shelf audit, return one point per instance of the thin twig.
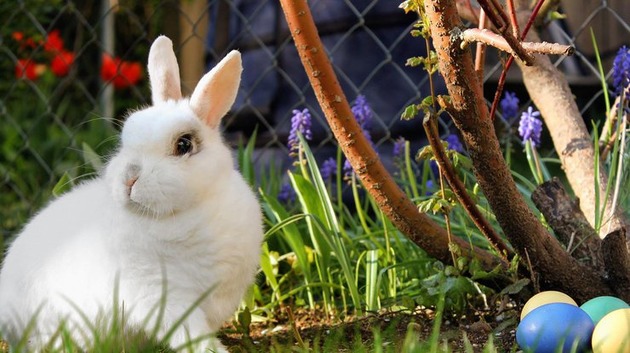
(447, 170)
(492, 39)
(470, 8)
(480, 53)
(513, 20)
(532, 273)
(501, 21)
(296, 332)
(510, 60)
(447, 220)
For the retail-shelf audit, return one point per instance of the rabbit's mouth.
(149, 211)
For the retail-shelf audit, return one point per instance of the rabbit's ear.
(216, 91)
(163, 71)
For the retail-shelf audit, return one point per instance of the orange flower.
(61, 63)
(121, 74)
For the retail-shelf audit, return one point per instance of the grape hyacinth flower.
(399, 148)
(363, 113)
(429, 187)
(530, 127)
(286, 194)
(300, 122)
(509, 106)
(454, 143)
(621, 70)
(328, 168)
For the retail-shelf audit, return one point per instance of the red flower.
(24, 42)
(26, 68)
(121, 74)
(61, 63)
(18, 36)
(54, 42)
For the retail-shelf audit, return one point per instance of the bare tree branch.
(501, 21)
(490, 38)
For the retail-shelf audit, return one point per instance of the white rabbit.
(170, 220)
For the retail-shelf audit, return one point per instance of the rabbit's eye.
(184, 145)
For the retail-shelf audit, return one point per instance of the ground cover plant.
(438, 256)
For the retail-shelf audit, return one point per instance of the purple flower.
(454, 144)
(329, 168)
(300, 122)
(621, 70)
(509, 106)
(363, 113)
(399, 148)
(429, 187)
(286, 194)
(530, 127)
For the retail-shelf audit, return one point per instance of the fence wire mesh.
(71, 69)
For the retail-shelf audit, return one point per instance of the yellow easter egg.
(546, 297)
(612, 333)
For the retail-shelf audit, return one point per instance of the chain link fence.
(71, 69)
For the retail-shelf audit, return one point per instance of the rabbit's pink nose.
(129, 183)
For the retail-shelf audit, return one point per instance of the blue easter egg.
(555, 325)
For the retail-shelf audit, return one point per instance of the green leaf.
(92, 158)
(426, 104)
(292, 234)
(244, 320)
(425, 152)
(64, 184)
(410, 112)
(267, 268)
(414, 61)
(516, 287)
(555, 15)
(245, 158)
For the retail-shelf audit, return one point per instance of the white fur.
(153, 222)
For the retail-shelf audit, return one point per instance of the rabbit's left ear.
(163, 71)
(216, 91)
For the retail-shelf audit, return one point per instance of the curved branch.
(418, 227)
(470, 114)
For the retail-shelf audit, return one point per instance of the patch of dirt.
(309, 328)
